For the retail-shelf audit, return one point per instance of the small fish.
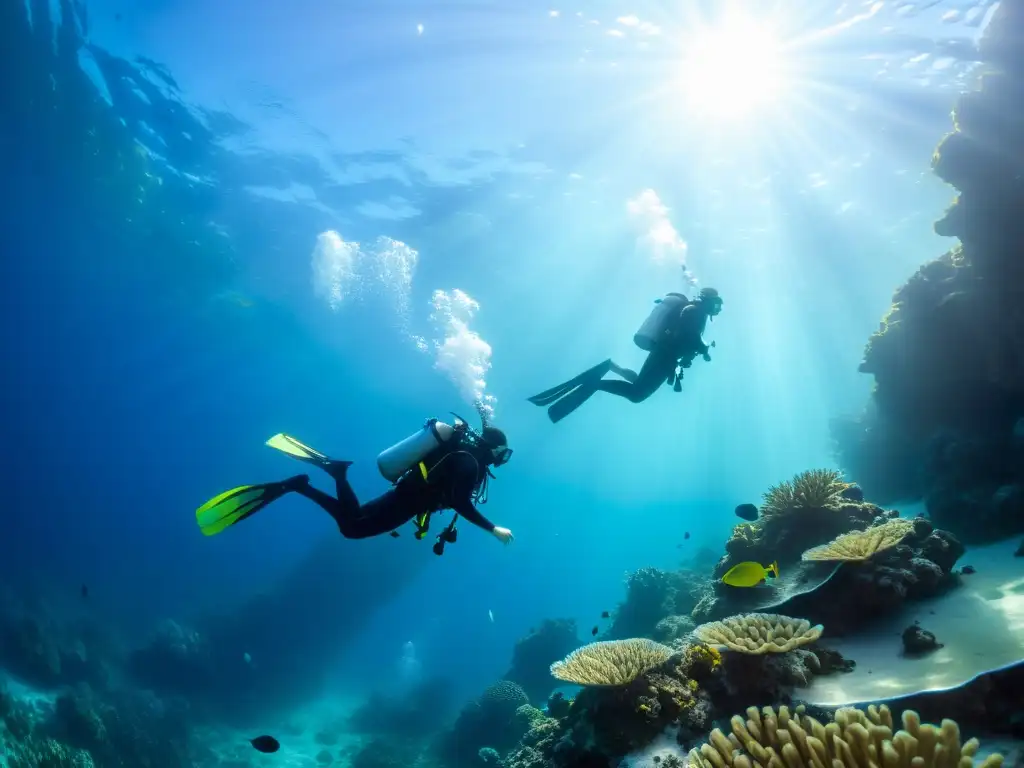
(686, 535)
(594, 631)
(746, 512)
(394, 534)
(967, 570)
(490, 615)
(605, 615)
(85, 592)
(749, 574)
(266, 744)
(247, 658)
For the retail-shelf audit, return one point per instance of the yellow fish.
(749, 574)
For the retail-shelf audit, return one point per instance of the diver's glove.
(504, 535)
(705, 355)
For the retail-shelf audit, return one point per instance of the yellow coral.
(857, 739)
(702, 653)
(860, 545)
(758, 633)
(611, 662)
(813, 489)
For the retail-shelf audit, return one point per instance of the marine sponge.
(813, 489)
(860, 545)
(758, 633)
(857, 739)
(611, 662)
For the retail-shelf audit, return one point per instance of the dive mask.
(501, 455)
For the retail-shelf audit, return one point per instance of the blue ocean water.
(227, 220)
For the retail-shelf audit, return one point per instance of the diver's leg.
(385, 513)
(653, 374)
(548, 396)
(626, 373)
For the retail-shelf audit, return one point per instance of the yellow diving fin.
(295, 449)
(226, 509)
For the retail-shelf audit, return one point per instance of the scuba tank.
(395, 461)
(666, 311)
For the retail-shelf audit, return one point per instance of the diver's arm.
(466, 509)
(464, 475)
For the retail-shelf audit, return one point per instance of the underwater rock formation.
(534, 654)
(919, 567)
(118, 728)
(40, 648)
(918, 641)
(488, 721)
(947, 428)
(651, 595)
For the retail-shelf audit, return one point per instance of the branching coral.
(857, 739)
(612, 662)
(757, 633)
(860, 545)
(813, 489)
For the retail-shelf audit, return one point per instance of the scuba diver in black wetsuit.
(672, 337)
(439, 467)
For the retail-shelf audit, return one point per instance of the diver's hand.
(504, 535)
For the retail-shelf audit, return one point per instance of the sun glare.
(731, 70)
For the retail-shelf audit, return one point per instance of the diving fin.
(289, 445)
(226, 509)
(295, 449)
(566, 405)
(548, 396)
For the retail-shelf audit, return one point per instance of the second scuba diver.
(439, 467)
(672, 337)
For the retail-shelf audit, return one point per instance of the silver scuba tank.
(395, 461)
(666, 311)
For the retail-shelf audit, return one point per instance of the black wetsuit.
(683, 344)
(453, 480)
(680, 343)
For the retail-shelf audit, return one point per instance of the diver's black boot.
(337, 469)
(295, 483)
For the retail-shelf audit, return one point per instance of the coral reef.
(759, 633)
(673, 629)
(43, 649)
(177, 659)
(920, 566)
(118, 728)
(670, 705)
(815, 489)
(856, 739)
(948, 429)
(611, 662)
(860, 545)
(855, 559)
(534, 654)
(618, 720)
(651, 595)
(809, 510)
(492, 720)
